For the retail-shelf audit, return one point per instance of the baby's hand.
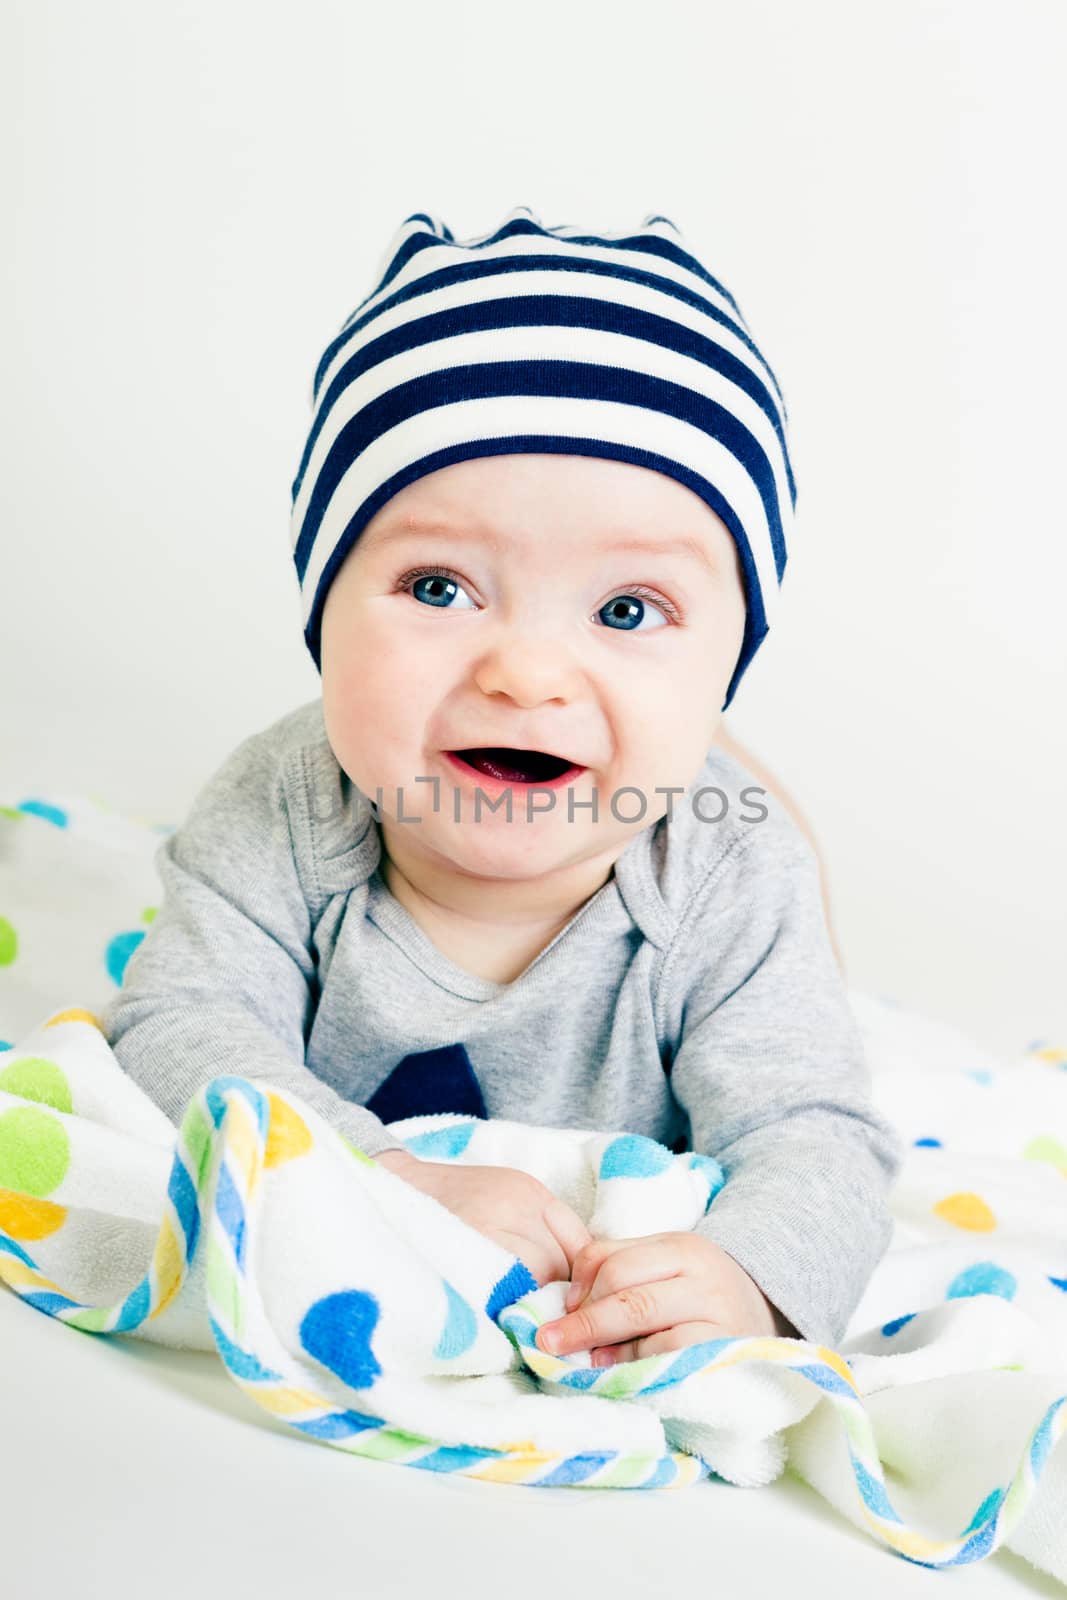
(645, 1296)
(514, 1209)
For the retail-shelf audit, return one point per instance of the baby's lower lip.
(490, 781)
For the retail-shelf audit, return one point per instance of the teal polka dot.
(633, 1156)
(711, 1170)
(442, 1144)
(47, 813)
(461, 1326)
(985, 1277)
(119, 951)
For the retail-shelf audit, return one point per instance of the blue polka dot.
(119, 951)
(928, 1144)
(985, 1277)
(1059, 1283)
(634, 1156)
(442, 1144)
(979, 1074)
(4, 1045)
(890, 1328)
(337, 1331)
(461, 1326)
(41, 808)
(517, 1281)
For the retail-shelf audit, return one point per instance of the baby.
(501, 868)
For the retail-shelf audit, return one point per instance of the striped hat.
(620, 345)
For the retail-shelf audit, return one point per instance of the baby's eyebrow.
(682, 545)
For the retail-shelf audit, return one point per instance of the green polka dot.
(1046, 1148)
(34, 1151)
(149, 913)
(37, 1078)
(12, 812)
(9, 943)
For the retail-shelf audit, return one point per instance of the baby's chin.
(493, 849)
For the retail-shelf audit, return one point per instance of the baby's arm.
(771, 1071)
(224, 980)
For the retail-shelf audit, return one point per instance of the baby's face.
(542, 631)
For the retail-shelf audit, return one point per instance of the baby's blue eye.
(438, 589)
(626, 612)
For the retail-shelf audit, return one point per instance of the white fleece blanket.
(368, 1317)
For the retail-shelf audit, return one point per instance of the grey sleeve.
(224, 981)
(771, 1071)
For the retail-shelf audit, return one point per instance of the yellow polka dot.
(1056, 1058)
(527, 1446)
(24, 1218)
(75, 1014)
(965, 1210)
(288, 1135)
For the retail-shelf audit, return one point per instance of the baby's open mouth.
(515, 766)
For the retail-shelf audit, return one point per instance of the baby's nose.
(530, 667)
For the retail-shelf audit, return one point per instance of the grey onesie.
(694, 998)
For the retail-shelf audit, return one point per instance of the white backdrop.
(195, 196)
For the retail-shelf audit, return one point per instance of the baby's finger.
(658, 1344)
(632, 1313)
(567, 1228)
(543, 1260)
(609, 1355)
(646, 1260)
(586, 1266)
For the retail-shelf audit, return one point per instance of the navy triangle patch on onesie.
(427, 1082)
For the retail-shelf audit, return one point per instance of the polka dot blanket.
(370, 1319)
